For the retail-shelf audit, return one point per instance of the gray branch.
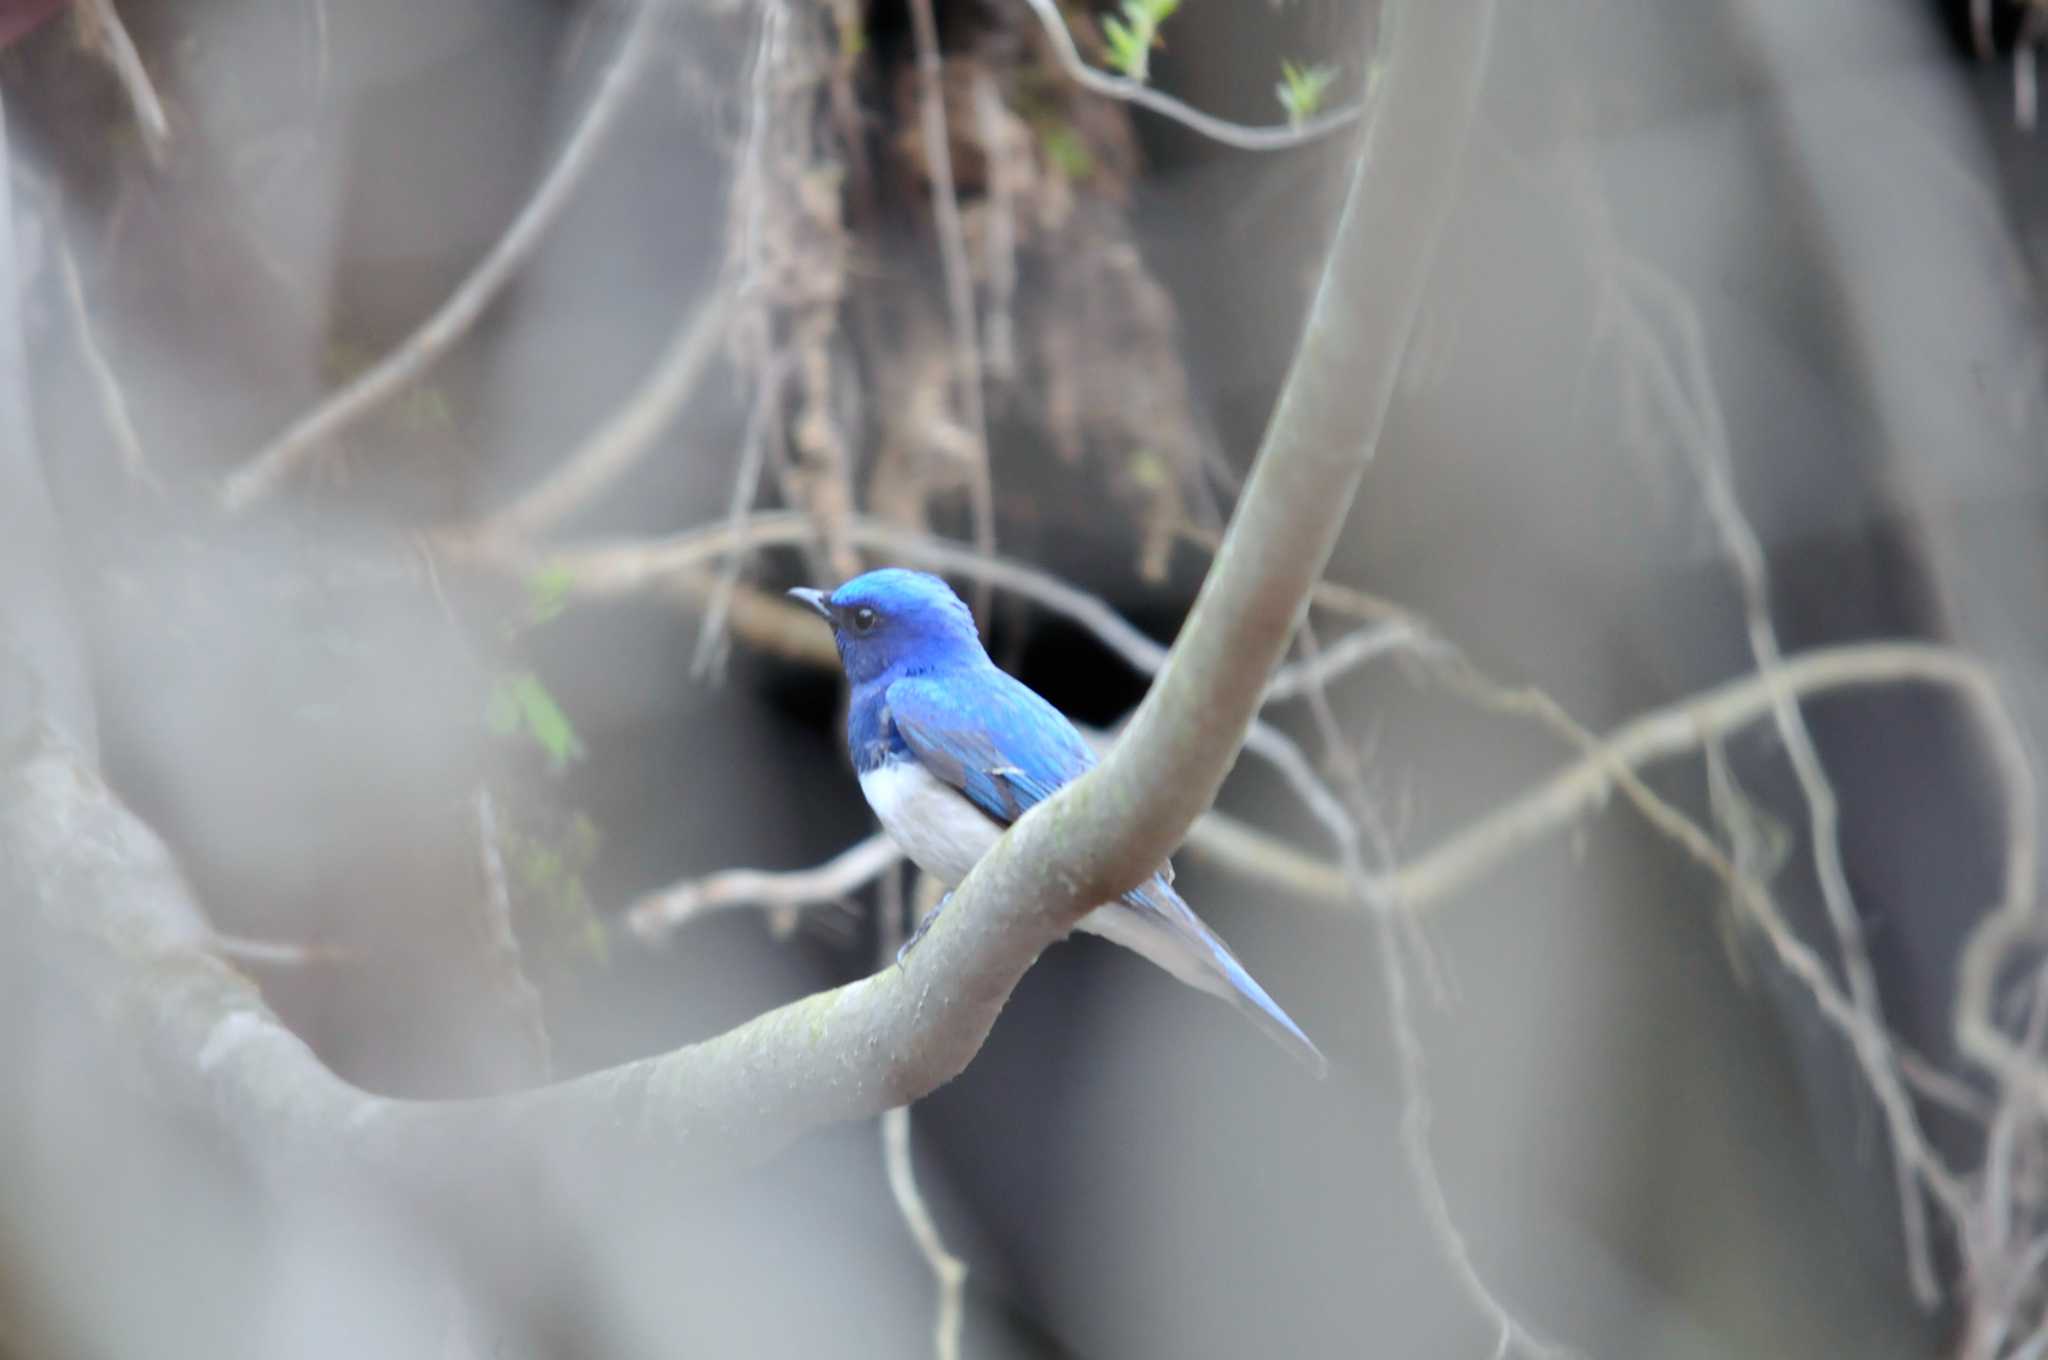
(104, 912)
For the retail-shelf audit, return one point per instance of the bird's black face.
(895, 622)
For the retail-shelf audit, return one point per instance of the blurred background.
(589, 279)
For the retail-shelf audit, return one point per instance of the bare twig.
(113, 401)
(1276, 138)
(1215, 838)
(746, 483)
(1676, 729)
(1869, 1043)
(1317, 670)
(507, 970)
(1334, 596)
(1693, 410)
(623, 439)
(1950, 1092)
(1354, 828)
(655, 916)
(2003, 1270)
(106, 31)
(391, 374)
(276, 953)
(931, 101)
(604, 570)
(948, 1270)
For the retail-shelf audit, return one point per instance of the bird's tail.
(1153, 921)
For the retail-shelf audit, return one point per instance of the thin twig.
(658, 914)
(1869, 1043)
(624, 438)
(746, 484)
(503, 963)
(1354, 828)
(1320, 668)
(938, 154)
(1950, 1092)
(1216, 838)
(1993, 1232)
(119, 49)
(113, 401)
(389, 376)
(1335, 596)
(610, 569)
(1279, 137)
(948, 1270)
(277, 953)
(1692, 408)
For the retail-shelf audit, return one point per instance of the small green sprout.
(1132, 37)
(519, 702)
(1302, 88)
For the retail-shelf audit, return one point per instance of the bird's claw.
(903, 951)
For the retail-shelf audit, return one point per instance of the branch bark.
(103, 905)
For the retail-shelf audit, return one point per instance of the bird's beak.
(815, 599)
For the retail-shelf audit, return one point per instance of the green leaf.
(547, 591)
(1127, 51)
(1132, 36)
(520, 702)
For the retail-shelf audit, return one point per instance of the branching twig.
(1276, 138)
(103, 24)
(1693, 410)
(1869, 1043)
(606, 570)
(1354, 827)
(657, 915)
(948, 1270)
(395, 371)
(1215, 838)
(931, 103)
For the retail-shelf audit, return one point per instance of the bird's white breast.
(933, 823)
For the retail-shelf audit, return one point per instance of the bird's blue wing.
(992, 737)
(989, 736)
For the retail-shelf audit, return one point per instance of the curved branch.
(106, 908)
(1144, 96)
(1676, 729)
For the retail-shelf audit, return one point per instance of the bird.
(950, 749)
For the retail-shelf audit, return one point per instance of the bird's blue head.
(895, 622)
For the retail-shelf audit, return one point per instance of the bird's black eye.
(863, 619)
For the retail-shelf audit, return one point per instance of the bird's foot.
(922, 926)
